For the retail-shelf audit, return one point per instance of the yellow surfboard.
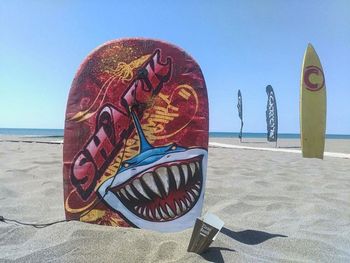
(313, 105)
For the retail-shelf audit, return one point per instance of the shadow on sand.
(248, 237)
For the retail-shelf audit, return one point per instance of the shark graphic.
(161, 188)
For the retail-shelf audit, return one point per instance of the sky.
(239, 44)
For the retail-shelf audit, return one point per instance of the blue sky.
(243, 45)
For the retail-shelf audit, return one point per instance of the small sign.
(204, 233)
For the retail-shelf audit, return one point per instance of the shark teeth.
(157, 214)
(130, 191)
(145, 212)
(191, 196)
(139, 188)
(170, 212)
(149, 180)
(164, 215)
(183, 206)
(176, 173)
(193, 168)
(163, 194)
(185, 172)
(177, 207)
(188, 203)
(124, 194)
(150, 215)
(164, 178)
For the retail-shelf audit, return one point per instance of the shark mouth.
(163, 192)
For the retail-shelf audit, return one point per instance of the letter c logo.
(313, 83)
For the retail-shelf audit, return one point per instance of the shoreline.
(39, 132)
(331, 145)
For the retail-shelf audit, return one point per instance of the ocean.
(59, 133)
(32, 132)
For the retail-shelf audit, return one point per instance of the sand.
(277, 207)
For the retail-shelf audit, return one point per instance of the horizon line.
(228, 132)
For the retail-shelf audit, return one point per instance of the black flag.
(240, 113)
(271, 115)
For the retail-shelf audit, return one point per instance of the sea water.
(32, 132)
(59, 133)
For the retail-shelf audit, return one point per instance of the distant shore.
(58, 133)
(332, 145)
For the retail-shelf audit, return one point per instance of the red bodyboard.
(115, 174)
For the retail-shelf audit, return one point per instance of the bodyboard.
(136, 137)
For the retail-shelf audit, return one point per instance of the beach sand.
(277, 207)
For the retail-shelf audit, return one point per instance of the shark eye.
(173, 147)
(126, 165)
